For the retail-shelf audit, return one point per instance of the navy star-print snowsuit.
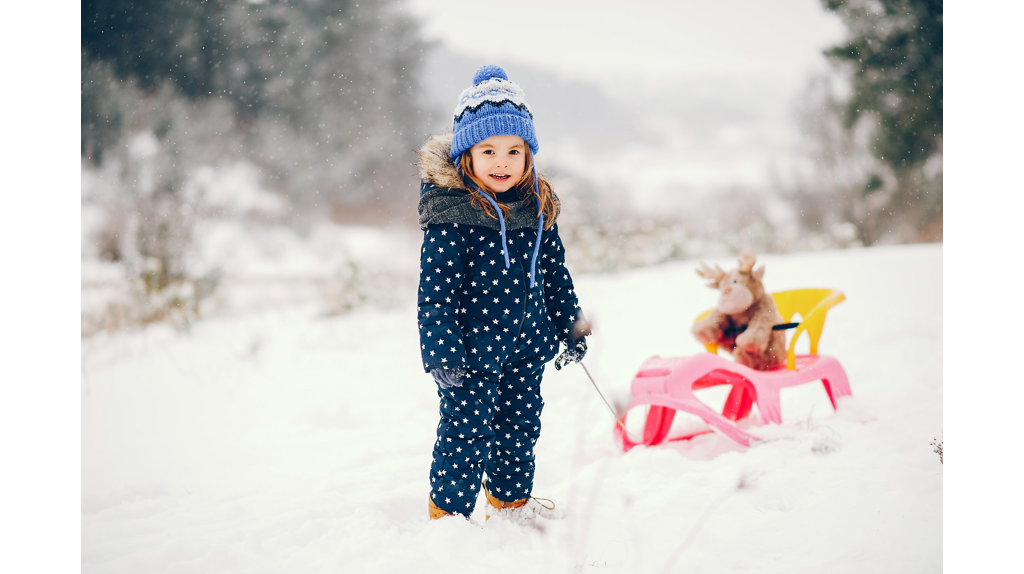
(476, 314)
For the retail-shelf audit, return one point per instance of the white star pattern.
(515, 479)
(464, 303)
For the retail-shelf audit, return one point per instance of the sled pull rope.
(607, 404)
(539, 499)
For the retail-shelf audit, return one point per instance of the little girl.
(495, 299)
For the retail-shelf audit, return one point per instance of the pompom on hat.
(492, 106)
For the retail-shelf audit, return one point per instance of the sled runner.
(667, 384)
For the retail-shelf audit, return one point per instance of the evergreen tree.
(895, 52)
(317, 97)
(894, 55)
(323, 91)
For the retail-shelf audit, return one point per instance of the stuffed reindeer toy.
(744, 317)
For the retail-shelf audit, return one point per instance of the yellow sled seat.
(812, 305)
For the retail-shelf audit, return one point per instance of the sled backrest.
(811, 304)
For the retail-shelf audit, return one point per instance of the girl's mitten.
(576, 344)
(447, 378)
(573, 353)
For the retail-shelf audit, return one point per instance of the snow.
(246, 251)
(236, 187)
(284, 440)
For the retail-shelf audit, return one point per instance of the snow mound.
(288, 441)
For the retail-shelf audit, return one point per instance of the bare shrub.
(846, 185)
(353, 286)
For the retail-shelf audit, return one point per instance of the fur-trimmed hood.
(445, 199)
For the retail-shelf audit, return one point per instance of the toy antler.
(715, 274)
(747, 260)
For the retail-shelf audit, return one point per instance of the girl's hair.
(549, 204)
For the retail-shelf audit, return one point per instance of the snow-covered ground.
(287, 441)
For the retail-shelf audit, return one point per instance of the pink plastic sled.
(667, 384)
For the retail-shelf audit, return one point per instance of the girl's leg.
(464, 441)
(516, 428)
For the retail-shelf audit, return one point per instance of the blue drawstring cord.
(501, 218)
(501, 222)
(540, 229)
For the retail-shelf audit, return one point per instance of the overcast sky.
(709, 89)
(656, 42)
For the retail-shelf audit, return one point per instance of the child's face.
(499, 161)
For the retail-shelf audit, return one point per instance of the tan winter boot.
(523, 511)
(435, 512)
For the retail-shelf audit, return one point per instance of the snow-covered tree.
(893, 60)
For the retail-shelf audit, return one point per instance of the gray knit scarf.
(446, 205)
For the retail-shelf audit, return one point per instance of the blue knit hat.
(492, 106)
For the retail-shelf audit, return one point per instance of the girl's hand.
(574, 353)
(447, 378)
(576, 345)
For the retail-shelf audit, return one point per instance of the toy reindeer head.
(739, 288)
